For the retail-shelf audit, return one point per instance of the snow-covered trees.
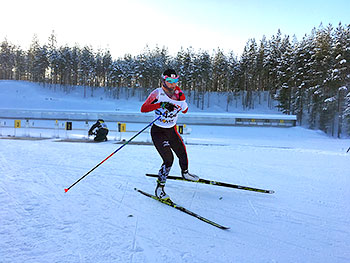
(309, 78)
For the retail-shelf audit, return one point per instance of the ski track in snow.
(102, 219)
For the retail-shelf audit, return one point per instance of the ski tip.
(271, 191)
(66, 190)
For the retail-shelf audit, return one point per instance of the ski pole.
(81, 178)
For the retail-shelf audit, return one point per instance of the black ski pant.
(167, 140)
(101, 135)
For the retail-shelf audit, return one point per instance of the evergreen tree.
(7, 60)
(75, 56)
(107, 62)
(65, 67)
(233, 79)
(86, 68)
(301, 60)
(285, 76)
(20, 65)
(261, 61)
(202, 77)
(220, 71)
(272, 60)
(341, 74)
(53, 58)
(37, 61)
(324, 90)
(248, 66)
(184, 60)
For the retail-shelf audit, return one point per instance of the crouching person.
(100, 130)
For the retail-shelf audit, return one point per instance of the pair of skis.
(203, 181)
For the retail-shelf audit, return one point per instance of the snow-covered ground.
(102, 218)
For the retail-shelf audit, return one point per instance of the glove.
(167, 105)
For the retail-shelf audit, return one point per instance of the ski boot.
(191, 177)
(160, 193)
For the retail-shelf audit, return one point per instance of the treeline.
(309, 78)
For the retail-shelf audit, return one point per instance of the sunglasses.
(171, 80)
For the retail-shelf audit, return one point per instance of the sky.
(127, 27)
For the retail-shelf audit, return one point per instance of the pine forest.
(309, 78)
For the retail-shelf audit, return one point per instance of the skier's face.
(170, 85)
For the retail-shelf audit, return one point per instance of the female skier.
(167, 101)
